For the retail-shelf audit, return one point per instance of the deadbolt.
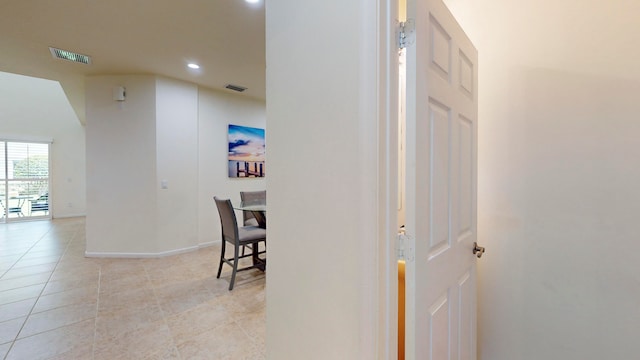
(478, 250)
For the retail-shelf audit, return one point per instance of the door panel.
(440, 144)
(466, 323)
(440, 186)
(465, 177)
(440, 327)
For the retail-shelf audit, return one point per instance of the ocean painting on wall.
(246, 152)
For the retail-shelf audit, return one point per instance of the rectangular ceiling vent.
(235, 87)
(70, 56)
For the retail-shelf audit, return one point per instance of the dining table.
(259, 211)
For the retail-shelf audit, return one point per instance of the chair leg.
(236, 252)
(221, 258)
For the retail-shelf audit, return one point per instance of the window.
(24, 180)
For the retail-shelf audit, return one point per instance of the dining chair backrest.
(227, 219)
(252, 197)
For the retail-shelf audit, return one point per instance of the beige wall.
(558, 192)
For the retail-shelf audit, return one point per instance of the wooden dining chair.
(237, 237)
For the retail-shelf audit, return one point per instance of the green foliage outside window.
(35, 166)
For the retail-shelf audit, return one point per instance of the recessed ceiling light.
(252, 1)
(193, 66)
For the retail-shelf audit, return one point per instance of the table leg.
(255, 251)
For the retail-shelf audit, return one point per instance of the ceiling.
(225, 37)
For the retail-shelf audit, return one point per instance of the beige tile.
(83, 271)
(250, 298)
(138, 344)
(244, 280)
(12, 254)
(83, 295)
(23, 293)
(4, 349)
(124, 283)
(48, 247)
(224, 342)
(23, 281)
(167, 308)
(169, 275)
(9, 329)
(32, 254)
(109, 324)
(117, 268)
(81, 352)
(26, 262)
(197, 320)
(56, 286)
(181, 297)
(55, 342)
(163, 354)
(16, 309)
(56, 318)
(255, 326)
(8, 261)
(130, 299)
(29, 270)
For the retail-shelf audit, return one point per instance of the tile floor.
(57, 304)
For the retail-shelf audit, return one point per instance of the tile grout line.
(164, 317)
(95, 321)
(29, 249)
(69, 243)
(37, 297)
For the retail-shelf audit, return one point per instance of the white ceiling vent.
(70, 56)
(235, 87)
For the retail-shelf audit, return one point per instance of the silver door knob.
(478, 250)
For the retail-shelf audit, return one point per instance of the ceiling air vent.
(235, 87)
(70, 56)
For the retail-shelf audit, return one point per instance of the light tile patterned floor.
(57, 304)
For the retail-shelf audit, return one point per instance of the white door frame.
(388, 116)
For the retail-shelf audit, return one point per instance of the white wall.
(37, 109)
(121, 166)
(322, 179)
(216, 111)
(557, 193)
(166, 130)
(177, 164)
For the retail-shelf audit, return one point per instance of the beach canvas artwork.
(246, 152)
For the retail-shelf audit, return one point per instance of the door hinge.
(406, 33)
(405, 247)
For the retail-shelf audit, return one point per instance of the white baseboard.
(207, 244)
(149, 255)
(68, 216)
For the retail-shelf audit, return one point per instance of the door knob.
(478, 250)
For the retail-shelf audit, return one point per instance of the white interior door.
(441, 133)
